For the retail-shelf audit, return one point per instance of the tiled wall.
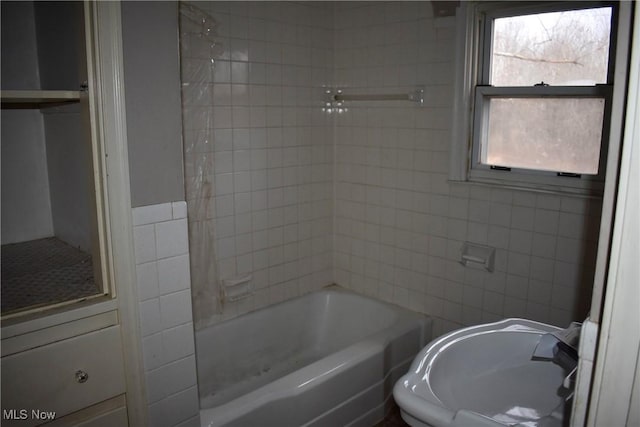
(258, 150)
(400, 224)
(163, 279)
(378, 215)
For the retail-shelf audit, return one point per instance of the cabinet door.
(49, 375)
(62, 377)
(116, 418)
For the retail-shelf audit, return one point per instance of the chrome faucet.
(560, 347)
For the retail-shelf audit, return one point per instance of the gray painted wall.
(152, 91)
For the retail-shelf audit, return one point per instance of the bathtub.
(329, 358)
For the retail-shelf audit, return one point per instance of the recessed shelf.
(38, 98)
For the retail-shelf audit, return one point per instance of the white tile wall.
(163, 284)
(278, 189)
(400, 224)
(258, 152)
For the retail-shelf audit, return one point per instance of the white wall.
(26, 207)
(45, 155)
(61, 46)
(19, 50)
(70, 184)
(62, 66)
(400, 224)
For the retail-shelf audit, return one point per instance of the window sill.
(593, 193)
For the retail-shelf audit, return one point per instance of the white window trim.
(484, 93)
(467, 75)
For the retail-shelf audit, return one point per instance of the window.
(539, 81)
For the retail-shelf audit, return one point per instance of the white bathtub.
(329, 358)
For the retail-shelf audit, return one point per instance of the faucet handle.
(570, 380)
(569, 384)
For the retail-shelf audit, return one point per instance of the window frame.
(473, 92)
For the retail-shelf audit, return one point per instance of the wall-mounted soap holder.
(237, 288)
(478, 256)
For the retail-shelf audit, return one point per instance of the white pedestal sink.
(484, 376)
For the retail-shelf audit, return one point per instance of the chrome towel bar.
(416, 96)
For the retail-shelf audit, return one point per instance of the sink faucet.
(560, 347)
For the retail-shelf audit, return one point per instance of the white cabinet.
(62, 111)
(63, 377)
(114, 418)
(43, 52)
(39, 98)
(50, 252)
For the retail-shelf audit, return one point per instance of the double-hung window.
(540, 79)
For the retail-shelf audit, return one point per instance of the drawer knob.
(82, 376)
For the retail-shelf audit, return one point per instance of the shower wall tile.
(144, 238)
(400, 225)
(259, 153)
(175, 309)
(152, 213)
(171, 238)
(299, 199)
(179, 210)
(166, 322)
(177, 342)
(152, 351)
(173, 274)
(175, 410)
(147, 280)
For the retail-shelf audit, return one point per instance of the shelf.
(38, 98)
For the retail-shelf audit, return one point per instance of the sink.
(484, 376)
